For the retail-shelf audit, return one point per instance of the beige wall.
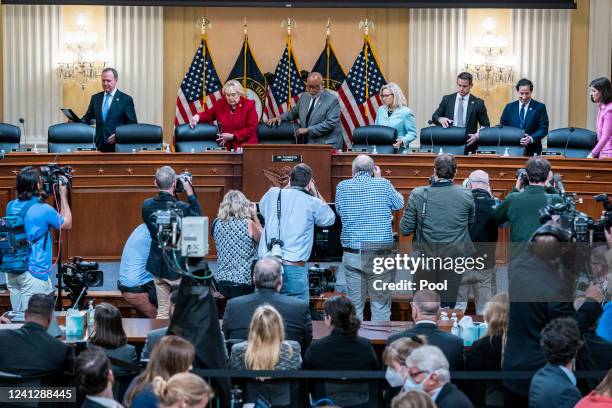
(579, 69)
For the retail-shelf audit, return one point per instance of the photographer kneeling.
(27, 277)
(166, 181)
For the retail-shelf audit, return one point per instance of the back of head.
(426, 302)
(40, 308)
(401, 348)
(27, 183)
(479, 179)
(301, 174)
(548, 242)
(561, 340)
(412, 399)
(445, 166)
(343, 315)
(108, 327)
(92, 371)
(266, 334)
(165, 177)
(234, 205)
(496, 315)
(268, 273)
(605, 386)
(185, 388)
(363, 163)
(537, 169)
(430, 359)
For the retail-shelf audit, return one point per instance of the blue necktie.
(522, 117)
(106, 106)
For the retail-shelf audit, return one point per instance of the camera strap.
(278, 212)
(419, 225)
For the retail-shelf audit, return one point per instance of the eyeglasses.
(386, 95)
(415, 375)
(313, 87)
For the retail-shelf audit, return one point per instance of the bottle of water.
(374, 151)
(168, 148)
(90, 314)
(455, 329)
(506, 153)
(36, 148)
(440, 152)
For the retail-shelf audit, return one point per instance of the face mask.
(393, 378)
(411, 385)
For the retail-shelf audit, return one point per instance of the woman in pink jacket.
(601, 94)
(600, 397)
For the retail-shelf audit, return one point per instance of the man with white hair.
(483, 232)
(365, 203)
(429, 373)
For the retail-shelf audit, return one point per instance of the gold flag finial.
(204, 25)
(366, 25)
(245, 26)
(289, 24)
(328, 27)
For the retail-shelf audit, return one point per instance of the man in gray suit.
(318, 111)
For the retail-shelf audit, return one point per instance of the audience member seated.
(554, 385)
(428, 372)
(236, 231)
(425, 311)
(413, 399)
(600, 397)
(154, 336)
(135, 282)
(183, 390)
(394, 357)
(268, 279)
(108, 333)
(172, 355)
(486, 353)
(94, 378)
(266, 348)
(30, 350)
(597, 275)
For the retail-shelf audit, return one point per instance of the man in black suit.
(425, 311)
(110, 108)
(163, 277)
(95, 378)
(527, 114)
(30, 350)
(268, 280)
(463, 109)
(428, 372)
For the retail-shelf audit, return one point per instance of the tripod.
(60, 261)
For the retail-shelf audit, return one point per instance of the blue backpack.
(14, 243)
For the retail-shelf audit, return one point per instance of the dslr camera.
(321, 280)
(181, 179)
(522, 175)
(53, 175)
(275, 246)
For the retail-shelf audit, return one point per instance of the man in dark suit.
(463, 109)
(425, 311)
(110, 108)
(527, 114)
(428, 372)
(30, 350)
(268, 280)
(163, 277)
(554, 385)
(95, 378)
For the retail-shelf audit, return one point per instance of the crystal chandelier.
(489, 65)
(79, 62)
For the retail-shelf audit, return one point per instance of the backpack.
(14, 243)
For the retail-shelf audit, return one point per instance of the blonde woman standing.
(395, 113)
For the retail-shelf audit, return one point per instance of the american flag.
(190, 99)
(278, 89)
(356, 111)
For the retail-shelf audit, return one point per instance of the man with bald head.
(483, 233)
(318, 112)
(365, 204)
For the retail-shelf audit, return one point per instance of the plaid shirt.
(364, 203)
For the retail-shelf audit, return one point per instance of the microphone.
(22, 122)
(558, 180)
(499, 131)
(567, 140)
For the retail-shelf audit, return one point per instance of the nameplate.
(486, 152)
(214, 149)
(144, 149)
(358, 150)
(86, 149)
(422, 151)
(552, 154)
(286, 158)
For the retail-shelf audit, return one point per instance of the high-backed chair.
(70, 136)
(450, 140)
(10, 136)
(500, 138)
(138, 136)
(571, 142)
(383, 137)
(202, 137)
(285, 133)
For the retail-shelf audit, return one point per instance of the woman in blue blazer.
(395, 113)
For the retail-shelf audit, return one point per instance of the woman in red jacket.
(600, 397)
(235, 115)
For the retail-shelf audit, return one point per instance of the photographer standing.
(38, 218)
(291, 214)
(164, 278)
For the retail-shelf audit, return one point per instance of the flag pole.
(204, 24)
(290, 24)
(244, 55)
(366, 24)
(328, 30)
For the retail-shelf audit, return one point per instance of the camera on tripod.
(181, 179)
(53, 175)
(78, 276)
(321, 280)
(187, 235)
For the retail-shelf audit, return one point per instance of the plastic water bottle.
(506, 153)
(133, 150)
(374, 151)
(168, 148)
(36, 148)
(455, 329)
(440, 152)
(90, 314)
(192, 150)
(454, 317)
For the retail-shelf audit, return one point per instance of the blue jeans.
(295, 282)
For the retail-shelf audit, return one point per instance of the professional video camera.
(78, 276)
(181, 179)
(321, 280)
(52, 175)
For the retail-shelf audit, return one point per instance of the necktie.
(310, 109)
(106, 106)
(459, 119)
(522, 117)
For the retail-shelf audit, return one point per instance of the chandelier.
(489, 64)
(79, 62)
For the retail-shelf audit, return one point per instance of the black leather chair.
(10, 137)
(383, 137)
(138, 136)
(500, 138)
(280, 393)
(451, 140)
(571, 142)
(202, 137)
(70, 136)
(285, 133)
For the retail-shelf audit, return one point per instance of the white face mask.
(393, 378)
(411, 385)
